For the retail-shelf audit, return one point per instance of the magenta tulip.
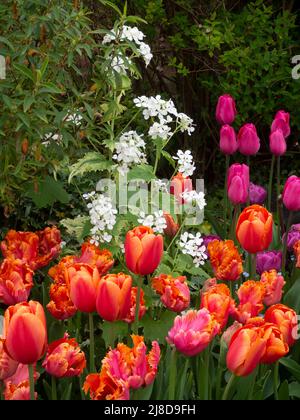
(238, 183)
(291, 193)
(277, 143)
(226, 110)
(282, 122)
(228, 141)
(248, 140)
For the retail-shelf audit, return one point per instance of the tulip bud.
(84, 281)
(226, 110)
(257, 194)
(248, 140)
(172, 227)
(291, 194)
(282, 122)
(228, 141)
(180, 184)
(238, 183)
(277, 143)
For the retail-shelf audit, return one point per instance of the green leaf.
(28, 101)
(48, 192)
(292, 297)
(91, 162)
(113, 331)
(169, 158)
(25, 71)
(76, 227)
(141, 172)
(292, 366)
(294, 389)
(50, 88)
(158, 329)
(283, 393)
(67, 393)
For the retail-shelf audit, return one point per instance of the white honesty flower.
(193, 245)
(186, 162)
(146, 53)
(195, 198)
(160, 130)
(160, 185)
(156, 107)
(155, 221)
(185, 123)
(51, 137)
(129, 151)
(74, 118)
(119, 65)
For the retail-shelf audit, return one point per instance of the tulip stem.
(173, 374)
(252, 266)
(137, 305)
(204, 374)
(31, 381)
(228, 388)
(277, 199)
(225, 191)
(236, 213)
(53, 388)
(270, 183)
(92, 344)
(276, 380)
(284, 252)
(248, 198)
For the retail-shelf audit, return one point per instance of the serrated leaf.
(141, 172)
(48, 192)
(91, 162)
(113, 331)
(158, 329)
(75, 227)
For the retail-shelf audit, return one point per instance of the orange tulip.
(49, 246)
(114, 296)
(8, 366)
(64, 358)
(17, 386)
(286, 320)
(92, 255)
(273, 283)
(22, 246)
(60, 305)
(174, 292)
(297, 253)
(251, 295)
(143, 250)
(225, 260)
(130, 317)
(103, 386)
(254, 229)
(217, 300)
(276, 346)
(15, 281)
(172, 227)
(25, 332)
(84, 281)
(180, 184)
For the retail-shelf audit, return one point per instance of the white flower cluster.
(193, 245)
(74, 118)
(129, 150)
(51, 137)
(194, 198)
(160, 185)
(131, 34)
(102, 217)
(186, 162)
(155, 221)
(166, 113)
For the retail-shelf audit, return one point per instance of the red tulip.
(25, 332)
(84, 281)
(143, 250)
(238, 183)
(282, 122)
(226, 109)
(248, 140)
(277, 143)
(172, 227)
(291, 193)
(180, 184)
(114, 296)
(8, 366)
(228, 141)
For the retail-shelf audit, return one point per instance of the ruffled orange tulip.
(276, 346)
(225, 260)
(103, 386)
(273, 283)
(130, 317)
(17, 386)
(92, 255)
(60, 305)
(15, 281)
(8, 366)
(297, 253)
(254, 229)
(84, 282)
(217, 300)
(251, 295)
(286, 320)
(21, 246)
(49, 246)
(174, 292)
(143, 250)
(25, 332)
(64, 358)
(114, 296)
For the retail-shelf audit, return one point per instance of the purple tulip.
(293, 236)
(282, 122)
(248, 140)
(226, 110)
(268, 260)
(228, 141)
(277, 143)
(257, 194)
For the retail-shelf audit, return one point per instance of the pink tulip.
(274, 284)
(291, 193)
(8, 366)
(238, 183)
(248, 140)
(277, 143)
(192, 332)
(282, 122)
(228, 141)
(226, 110)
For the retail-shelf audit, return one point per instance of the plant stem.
(276, 380)
(92, 344)
(204, 374)
(270, 183)
(248, 164)
(31, 381)
(172, 376)
(194, 364)
(229, 385)
(284, 252)
(225, 191)
(234, 221)
(137, 305)
(277, 199)
(252, 266)
(53, 388)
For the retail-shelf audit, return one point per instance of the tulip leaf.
(292, 366)
(292, 298)
(47, 389)
(283, 394)
(113, 331)
(66, 396)
(294, 389)
(158, 329)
